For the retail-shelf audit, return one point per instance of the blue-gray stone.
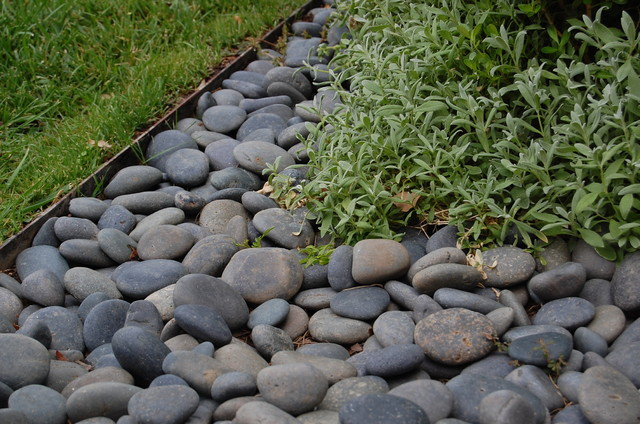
(438, 256)
(607, 396)
(81, 282)
(203, 323)
(44, 288)
(205, 101)
(302, 29)
(256, 202)
(139, 352)
(168, 380)
(327, 350)
(595, 265)
(432, 396)
(339, 269)
(102, 321)
(453, 298)
(87, 207)
(261, 66)
(232, 385)
(259, 121)
(586, 340)
(363, 303)
(446, 236)
(227, 97)
(84, 252)
(187, 168)
(292, 77)
(272, 312)
(117, 245)
(394, 327)
(89, 302)
(507, 266)
(235, 178)
(39, 331)
(528, 330)
(451, 275)
(402, 294)
(133, 179)
(301, 51)
(504, 407)
(220, 154)
(189, 125)
(625, 358)
(540, 349)
(224, 119)
(394, 360)
(67, 228)
(262, 134)
(569, 312)
(46, 234)
(144, 314)
(625, 284)
(101, 399)
(210, 255)
(283, 111)
(145, 202)
(164, 144)
(143, 278)
(251, 105)
(119, 218)
(495, 365)
(40, 404)
(65, 327)
(381, 408)
(165, 242)
(597, 292)
(163, 405)
(562, 281)
(269, 340)
(247, 89)
(283, 89)
(571, 414)
(568, 383)
(204, 138)
(285, 229)
(290, 135)
(23, 361)
(537, 382)
(36, 258)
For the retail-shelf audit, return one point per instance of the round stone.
(117, 245)
(454, 298)
(187, 168)
(203, 323)
(23, 361)
(254, 411)
(439, 256)
(260, 121)
(235, 178)
(325, 350)
(215, 293)
(325, 326)
(595, 265)
(256, 156)
(163, 405)
(247, 89)
(286, 229)
(87, 207)
(446, 236)
(272, 312)
(292, 77)
(255, 202)
(233, 384)
(191, 125)
(211, 255)
(597, 292)
(241, 357)
(138, 280)
(227, 97)
(216, 215)
(36, 258)
(85, 253)
(40, 404)
(586, 340)
(394, 327)
(609, 321)
(607, 396)
(64, 324)
(505, 407)
(540, 349)
(507, 266)
(294, 388)
(537, 382)
(99, 375)
(165, 242)
(164, 144)
(145, 202)
(102, 322)
(394, 360)
(363, 303)
(626, 360)
(100, 399)
(562, 281)
(381, 408)
(339, 269)
(261, 274)
(432, 396)
(568, 312)
(133, 179)
(455, 336)
(625, 284)
(350, 388)
(118, 218)
(139, 352)
(452, 275)
(269, 340)
(46, 235)
(315, 299)
(68, 228)
(379, 260)
(199, 370)
(11, 305)
(252, 105)
(223, 118)
(220, 154)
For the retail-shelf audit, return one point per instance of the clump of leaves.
(454, 103)
(316, 255)
(257, 242)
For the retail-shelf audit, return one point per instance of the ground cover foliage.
(501, 117)
(80, 77)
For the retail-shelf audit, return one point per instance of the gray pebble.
(453, 298)
(23, 361)
(363, 303)
(145, 202)
(507, 266)
(163, 405)
(40, 404)
(537, 382)
(101, 399)
(562, 281)
(119, 218)
(350, 388)
(568, 312)
(220, 154)
(46, 235)
(165, 242)
(595, 265)
(87, 207)
(504, 407)
(187, 168)
(430, 279)
(394, 327)
(133, 179)
(233, 384)
(164, 144)
(625, 283)
(607, 396)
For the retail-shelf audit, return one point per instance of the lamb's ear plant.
(499, 124)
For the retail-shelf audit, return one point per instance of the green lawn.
(79, 77)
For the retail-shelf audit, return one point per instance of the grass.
(79, 78)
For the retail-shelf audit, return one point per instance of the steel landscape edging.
(126, 157)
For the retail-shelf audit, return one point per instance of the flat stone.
(139, 352)
(381, 408)
(607, 396)
(62, 373)
(537, 382)
(333, 369)
(595, 265)
(586, 340)
(325, 326)
(40, 404)
(118, 246)
(133, 179)
(220, 154)
(291, 135)
(502, 319)
(289, 230)
(65, 327)
(227, 97)
(571, 414)
(187, 168)
(379, 260)
(210, 255)
(325, 350)
(84, 252)
(216, 215)
(165, 242)
(87, 207)
(290, 76)
(503, 407)
(215, 293)
(453, 298)
(553, 255)
(199, 370)
(402, 294)
(35, 258)
(256, 202)
(164, 144)
(451, 275)
(261, 66)
(264, 413)
(145, 202)
(46, 235)
(625, 284)
(11, 305)
(339, 268)
(301, 51)
(272, 312)
(497, 364)
(439, 256)
(568, 312)
(247, 89)
(119, 218)
(10, 283)
(394, 360)
(446, 236)
(235, 178)
(204, 138)
(251, 105)
(23, 361)
(100, 399)
(432, 396)
(269, 340)
(261, 274)
(510, 300)
(609, 322)
(233, 384)
(241, 357)
(99, 375)
(562, 281)
(283, 111)
(625, 359)
(284, 89)
(163, 405)
(226, 411)
(102, 322)
(363, 303)
(455, 336)
(350, 388)
(394, 327)
(143, 278)
(540, 349)
(203, 323)
(469, 390)
(319, 416)
(530, 330)
(256, 156)
(568, 383)
(295, 388)
(597, 292)
(182, 342)
(507, 266)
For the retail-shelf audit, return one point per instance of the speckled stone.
(453, 298)
(333, 369)
(325, 326)
(233, 384)
(512, 266)
(269, 340)
(285, 229)
(568, 312)
(199, 370)
(452, 275)
(625, 284)
(378, 409)
(505, 407)
(607, 396)
(378, 261)
(40, 404)
(163, 405)
(439, 256)
(539, 349)
(216, 215)
(394, 327)
(363, 303)
(394, 360)
(295, 388)
(455, 336)
(597, 292)
(432, 396)
(256, 156)
(350, 388)
(595, 265)
(262, 412)
(164, 144)
(119, 218)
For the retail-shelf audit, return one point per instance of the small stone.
(36, 258)
(402, 294)
(609, 321)
(319, 416)
(289, 230)
(42, 287)
(568, 312)
(607, 396)
(133, 179)
(272, 312)
(63, 324)
(394, 360)
(537, 382)
(252, 105)
(247, 89)
(295, 388)
(381, 408)
(597, 292)
(284, 89)
(233, 384)
(562, 281)
(68, 228)
(40, 404)
(292, 77)
(510, 300)
(502, 319)
(203, 323)
(333, 369)
(46, 235)
(220, 154)
(302, 29)
(255, 202)
(216, 215)
(350, 388)
(325, 350)
(553, 255)
(315, 299)
(586, 340)
(504, 407)
(507, 266)
(262, 412)
(210, 255)
(23, 361)
(139, 352)
(530, 330)
(269, 340)
(239, 356)
(235, 178)
(339, 269)
(443, 255)
(118, 246)
(187, 168)
(625, 284)
(164, 144)
(363, 303)
(497, 364)
(291, 135)
(62, 373)
(199, 370)
(165, 242)
(261, 274)
(87, 207)
(568, 383)
(453, 298)
(145, 202)
(227, 97)
(379, 260)
(103, 321)
(325, 326)
(595, 265)
(424, 306)
(85, 253)
(256, 156)
(144, 314)
(394, 327)
(457, 276)
(626, 360)
(301, 51)
(163, 405)
(432, 396)
(541, 349)
(455, 336)
(118, 218)
(139, 279)
(101, 399)
(100, 375)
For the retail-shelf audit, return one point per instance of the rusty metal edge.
(127, 157)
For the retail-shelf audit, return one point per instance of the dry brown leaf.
(409, 201)
(238, 19)
(100, 143)
(266, 189)
(356, 348)
(60, 356)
